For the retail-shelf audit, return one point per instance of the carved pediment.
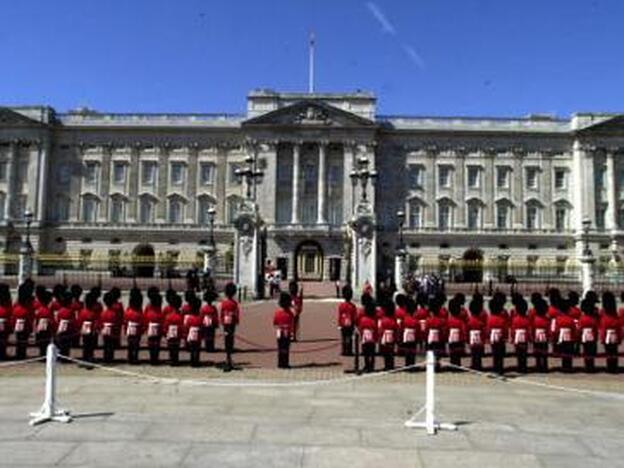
(310, 114)
(609, 124)
(10, 118)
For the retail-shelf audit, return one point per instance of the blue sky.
(424, 57)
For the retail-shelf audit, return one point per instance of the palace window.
(444, 176)
(148, 172)
(502, 215)
(3, 210)
(63, 174)
(91, 172)
(415, 215)
(233, 206)
(416, 176)
(502, 177)
(445, 214)
(532, 216)
(532, 178)
(61, 208)
(205, 205)
(117, 210)
(176, 211)
(233, 178)
(119, 173)
(177, 173)
(560, 179)
(600, 216)
(474, 176)
(474, 215)
(561, 218)
(206, 173)
(146, 210)
(89, 209)
(3, 171)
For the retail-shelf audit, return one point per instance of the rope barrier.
(22, 362)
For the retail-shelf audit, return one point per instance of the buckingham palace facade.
(481, 196)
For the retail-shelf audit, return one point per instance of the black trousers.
(134, 343)
(387, 351)
(43, 340)
(89, 342)
(230, 333)
(540, 350)
(3, 347)
(194, 348)
(347, 340)
(64, 343)
(110, 344)
(21, 345)
(209, 339)
(153, 343)
(456, 351)
(476, 357)
(566, 349)
(283, 352)
(612, 358)
(521, 357)
(589, 350)
(409, 350)
(174, 351)
(498, 357)
(368, 351)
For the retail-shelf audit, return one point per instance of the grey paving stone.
(603, 446)
(306, 435)
(477, 459)
(274, 456)
(406, 438)
(127, 454)
(205, 431)
(17, 429)
(330, 457)
(91, 429)
(563, 461)
(523, 442)
(32, 453)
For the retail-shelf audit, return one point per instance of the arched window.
(445, 214)
(117, 209)
(416, 214)
(474, 214)
(176, 210)
(3, 210)
(503, 214)
(533, 215)
(562, 216)
(233, 206)
(147, 206)
(62, 205)
(90, 206)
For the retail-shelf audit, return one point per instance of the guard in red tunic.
(497, 333)
(118, 307)
(57, 297)
(296, 295)
(23, 317)
(436, 327)
(347, 314)
(456, 336)
(45, 325)
(520, 332)
(174, 328)
(193, 331)
(588, 330)
(66, 324)
(421, 316)
(610, 331)
(388, 330)
(230, 317)
(367, 328)
(186, 309)
(565, 334)
(410, 332)
(210, 320)
(110, 326)
(154, 324)
(133, 324)
(76, 306)
(476, 331)
(283, 322)
(540, 328)
(6, 320)
(87, 324)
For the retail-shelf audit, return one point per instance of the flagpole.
(311, 64)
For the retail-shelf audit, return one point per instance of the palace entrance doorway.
(309, 261)
(472, 266)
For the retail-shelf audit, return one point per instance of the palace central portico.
(481, 198)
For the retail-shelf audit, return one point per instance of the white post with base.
(49, 411)
(430, 423)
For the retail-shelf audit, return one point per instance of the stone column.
(459, 190)
(191, 183)
(162, 184)
(133, 185)
(611, 223)
(430, 187)
(347, 188)
(295, 187)
(221, 178)
(11, 185)
(321, 217)
(489, 184)
(44, 149)
(105, 183)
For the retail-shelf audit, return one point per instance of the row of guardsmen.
(63, 316)
(557, 327)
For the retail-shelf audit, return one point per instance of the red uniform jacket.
(421, 317)
(475, 330)
(435, 331)
(65, 321)
(6, 320)
(22, 318)
(173, 326)
(610, 329)
(388, 331)
(497, 329)
(347, 314)
(367, 327)
(565, 329)
(153, 319)
(230, 312)
(456, 329)
(520, 330)
(133, 322)
(110, 324)
(575, 313)
(209, 315)
(588, 328)
(399, 315)
(284, 322)
(540, 327)
(193, 328)
(87, 321)
(410, 330)
(44, 320)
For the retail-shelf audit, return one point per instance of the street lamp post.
(26, 251)
(210, 252)
(587, 259)
(362, 175)
(401, 255)
(251, 175)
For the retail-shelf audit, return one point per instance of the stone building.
(481, 196)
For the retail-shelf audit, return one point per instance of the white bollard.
(430, 423)
(48, 411)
